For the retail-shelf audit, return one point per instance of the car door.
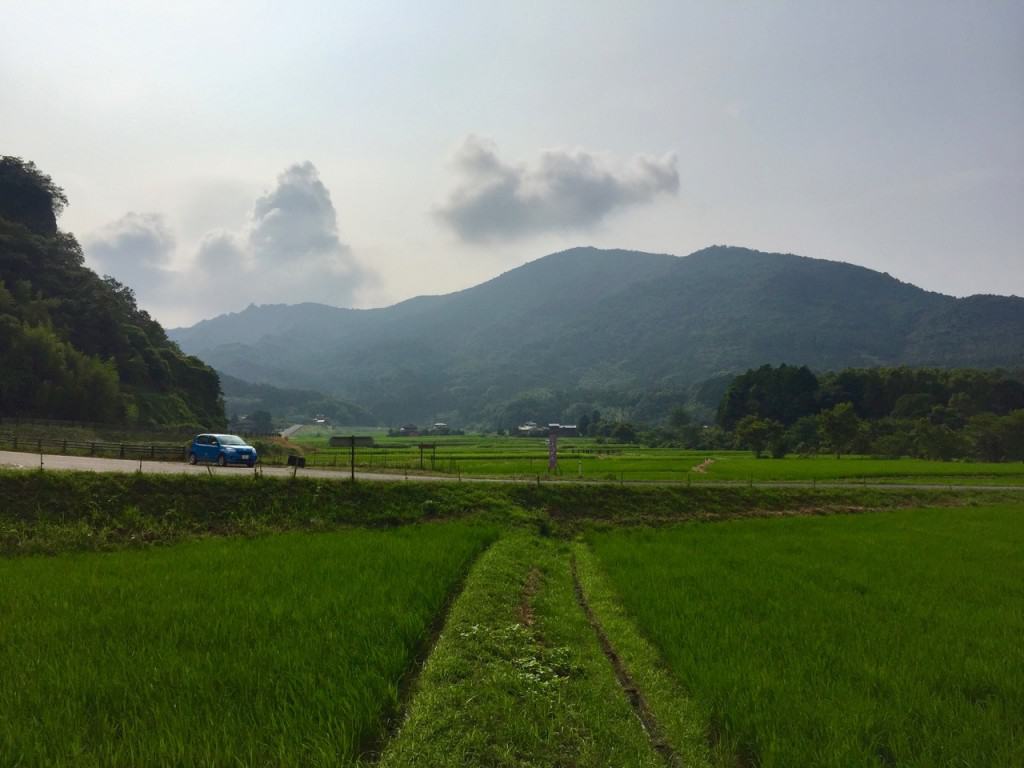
(213, 449)
(206, 451)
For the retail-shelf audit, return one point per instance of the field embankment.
(55, 511)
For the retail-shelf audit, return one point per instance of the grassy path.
(518, 677)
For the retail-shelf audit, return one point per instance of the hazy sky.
(358, 153)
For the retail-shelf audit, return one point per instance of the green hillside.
(72, 345)
(609, 326)
(299, 405)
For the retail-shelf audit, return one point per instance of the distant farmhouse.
(412, 430)
(533, 429)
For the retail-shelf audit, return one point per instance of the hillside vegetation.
(76, 346)
(245, 398)
(612, 328)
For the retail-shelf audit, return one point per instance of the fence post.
(122, 450)
(65, 449)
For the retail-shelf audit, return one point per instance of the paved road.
(12, 460)
(286, 433)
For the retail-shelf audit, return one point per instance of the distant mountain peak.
(587, 319)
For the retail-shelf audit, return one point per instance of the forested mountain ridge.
(72, 345)
(589, 321)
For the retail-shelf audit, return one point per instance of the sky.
(360, 153)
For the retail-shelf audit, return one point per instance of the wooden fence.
(11, 441)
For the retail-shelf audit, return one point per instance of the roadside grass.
(868, 640)
(29, 431)
(286, 650)
(517, 677)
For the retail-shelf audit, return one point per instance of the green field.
(586, 459)
(238, 620)
(287, 650)
(871, 640)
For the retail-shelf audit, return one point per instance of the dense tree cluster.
(73, 345)
(923, 412)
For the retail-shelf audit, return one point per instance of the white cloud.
(563, 190)
(136, 249)
(290, 251)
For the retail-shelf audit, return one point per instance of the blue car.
(221, 450)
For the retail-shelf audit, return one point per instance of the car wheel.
(222, 461)
(252, 463)
(192, 458)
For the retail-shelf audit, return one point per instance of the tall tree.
(839, 426)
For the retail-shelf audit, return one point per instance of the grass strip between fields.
(517, 677)
(680, 720)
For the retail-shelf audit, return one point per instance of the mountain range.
(609, 326)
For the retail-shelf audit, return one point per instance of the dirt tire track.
(530, 589)
(633, 693)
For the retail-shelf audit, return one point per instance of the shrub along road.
(19, 460)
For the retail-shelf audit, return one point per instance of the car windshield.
(230, 440)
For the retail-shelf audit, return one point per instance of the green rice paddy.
(868, 640)
(586, 459)
(285, 650)
(194, 620)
